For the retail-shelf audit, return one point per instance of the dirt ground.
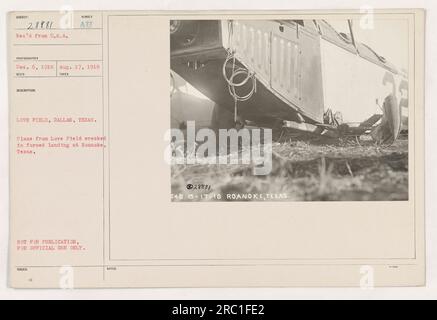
(311, 170)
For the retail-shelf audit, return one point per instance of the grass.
(305, 171)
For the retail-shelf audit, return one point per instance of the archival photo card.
(216, 149)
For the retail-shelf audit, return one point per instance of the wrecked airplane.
(301, 75)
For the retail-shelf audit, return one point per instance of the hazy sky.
(389, 38)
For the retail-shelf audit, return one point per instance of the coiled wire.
(232, 84)
(240, 71)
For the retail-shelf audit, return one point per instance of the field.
(308, 170)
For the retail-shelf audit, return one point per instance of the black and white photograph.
(238, 151)
(289, 110)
